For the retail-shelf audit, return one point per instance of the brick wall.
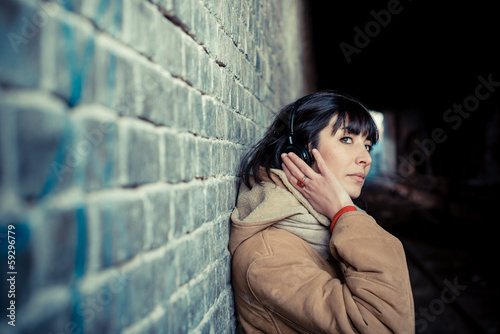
(122, 124)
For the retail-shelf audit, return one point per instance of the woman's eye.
(349, 140)
(346, 140)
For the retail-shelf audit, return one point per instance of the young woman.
(305, 259)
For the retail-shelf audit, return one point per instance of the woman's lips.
(358, 177)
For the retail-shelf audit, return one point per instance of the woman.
(305, 259)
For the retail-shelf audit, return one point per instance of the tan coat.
(283, 285)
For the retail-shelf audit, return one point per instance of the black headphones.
(299, 150)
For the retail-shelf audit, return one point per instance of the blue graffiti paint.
(81, 242)
(78, 68)
(59, 167)
(77, 314)
(117, 18)
(67, 4)
(101, 9)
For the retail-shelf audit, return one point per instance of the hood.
(262, 205)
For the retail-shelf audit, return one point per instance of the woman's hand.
(323, 190)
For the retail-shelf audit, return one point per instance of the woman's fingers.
(296, 165)
(292, 179)
(294, 173)
(288, 174)
(324, 191)
(322, 167)
(292, 176)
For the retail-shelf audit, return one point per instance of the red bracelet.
(340, 213)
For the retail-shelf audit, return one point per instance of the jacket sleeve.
(371, 295)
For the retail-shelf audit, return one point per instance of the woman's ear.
(310, 147)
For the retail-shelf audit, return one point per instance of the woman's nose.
(363, 157)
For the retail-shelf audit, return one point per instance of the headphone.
(299, 150)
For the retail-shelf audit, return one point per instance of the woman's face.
(346, 155)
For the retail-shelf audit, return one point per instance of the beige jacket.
(283, 285)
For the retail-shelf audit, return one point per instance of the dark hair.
(312, 115)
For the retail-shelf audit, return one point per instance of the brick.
(182, 210)
(221, 124)
(114, 232)
(196, 112)
(169, 273)
(209, 117)
(39, 135)
(102, 303)
(205, 75)
(244, 124)
(156, 92)
(197, 305)
(49, 311)
(159, 267)
(204, 158)
(188, 153)
(220, 318)
(191, 61)
(96, 143)
(142, 288)
(210, 34)
(68, 58)
(217, 81)
(126, 88)
(139, 148)
(217, 159)
(182, 10)
(21, 24)
(212, 197)
(212, 294)
(227, 86)
(169, 47)
(155, 322)
(158, 208)
(233, 97)
(108, 16)
(230, 119)
(177, 313)
(237, 125)
(198, 21)
(139, 20)
(179, 147)
(199, 204)
(203, 252)
(172, 170)
(180, 104)
(118, 84)
(55, 238)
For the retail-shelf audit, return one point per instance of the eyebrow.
(349, 131)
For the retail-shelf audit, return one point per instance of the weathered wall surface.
(122, 124)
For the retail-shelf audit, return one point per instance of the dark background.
(427, 59)
(428, 56)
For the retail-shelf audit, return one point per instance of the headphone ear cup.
(300, 151)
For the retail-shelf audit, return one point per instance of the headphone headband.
(295, 106)
(298, 149)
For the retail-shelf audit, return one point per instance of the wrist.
(338, 207)
(339, 213)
